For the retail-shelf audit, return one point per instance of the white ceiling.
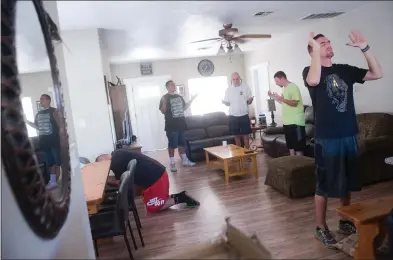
(137, 30)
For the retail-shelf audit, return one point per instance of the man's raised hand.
(357, 40)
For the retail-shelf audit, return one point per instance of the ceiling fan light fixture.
(230, 51)
(237, 49)
(221, 51)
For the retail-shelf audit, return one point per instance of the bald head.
(103, 157)
(236, 79)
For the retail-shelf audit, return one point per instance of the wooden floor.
(285, 226)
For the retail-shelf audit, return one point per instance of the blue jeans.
(52, 156)
(176, 139)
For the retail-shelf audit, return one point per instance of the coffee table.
(232, 154)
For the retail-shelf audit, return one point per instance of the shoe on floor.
(173, 167)
(190, 201)
(346, 228)
(51, 185)
(326, 237)
(188, 163)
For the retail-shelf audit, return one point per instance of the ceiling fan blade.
(255, 36)
(212, 39)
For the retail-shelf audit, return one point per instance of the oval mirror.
(35, 152)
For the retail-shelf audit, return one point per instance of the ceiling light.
(237, 49)
(230, 51)
(221, 51)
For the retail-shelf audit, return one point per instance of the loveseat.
(206, 131)
(375, 141)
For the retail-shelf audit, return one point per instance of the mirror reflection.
(40, 98)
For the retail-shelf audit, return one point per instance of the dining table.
(94, 177)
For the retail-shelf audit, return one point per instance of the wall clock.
(206, 68)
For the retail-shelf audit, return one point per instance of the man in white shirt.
(238, 97)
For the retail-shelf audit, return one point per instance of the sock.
(184, 157)
(172, 160)
(52, 177)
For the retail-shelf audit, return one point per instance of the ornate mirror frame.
(44, 213)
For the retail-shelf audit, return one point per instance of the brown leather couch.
(375, 141)
(206, 131)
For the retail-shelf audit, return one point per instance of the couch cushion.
(217, 130)
(270, 138)
(309, 130)
(280, 140)
(194, 122)
(215, 118)
(195, 134)
(218, 140)
(374, 125)
(309, 115)
(197, 145)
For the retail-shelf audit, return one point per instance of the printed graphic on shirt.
(44, 124)
(177, 107)
(155, 202)
(337, 90)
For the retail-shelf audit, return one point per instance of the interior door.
(144, 95)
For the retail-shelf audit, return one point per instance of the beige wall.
(181, 70)
(290, 55)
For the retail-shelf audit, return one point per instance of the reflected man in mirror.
(292, 113)
(238, 97)
(47, 124)
(173, 106)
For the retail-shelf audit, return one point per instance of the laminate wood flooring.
(285, 226)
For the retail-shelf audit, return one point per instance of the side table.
(254, 129)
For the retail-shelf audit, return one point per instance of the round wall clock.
(206, 67)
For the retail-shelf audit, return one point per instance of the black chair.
(113, 223)
(110, 201)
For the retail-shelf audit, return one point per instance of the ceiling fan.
(229, 37)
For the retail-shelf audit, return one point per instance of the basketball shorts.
(157, 195)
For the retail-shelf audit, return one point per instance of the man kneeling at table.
(150, 175)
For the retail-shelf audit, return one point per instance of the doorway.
(261, 86)
(147, 121)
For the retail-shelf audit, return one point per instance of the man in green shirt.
(292, 113)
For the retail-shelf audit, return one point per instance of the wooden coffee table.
(232, 154)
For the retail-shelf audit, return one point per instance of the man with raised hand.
(336, 149)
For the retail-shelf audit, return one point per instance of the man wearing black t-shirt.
(47, 123)
(173, 106)
(331, 90)
(150, 175)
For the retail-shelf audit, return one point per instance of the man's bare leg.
(345, 226)
(238, 141)
(320, 209)
(171, 153)
(186, 161)
(299, 153)
(292, 152)
(246, 141)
